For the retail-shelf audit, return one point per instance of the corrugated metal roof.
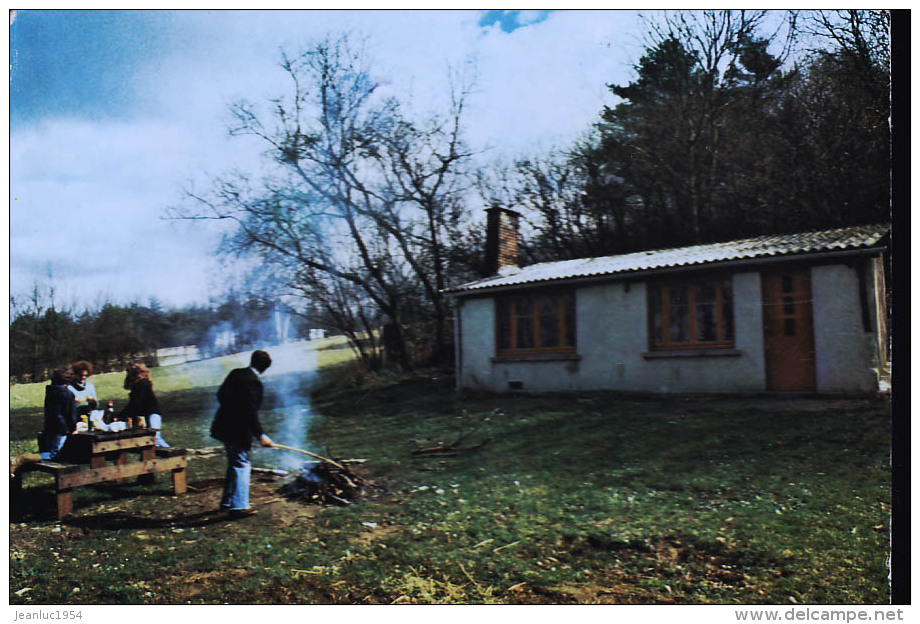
(841, 239)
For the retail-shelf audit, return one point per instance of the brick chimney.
(501, 240)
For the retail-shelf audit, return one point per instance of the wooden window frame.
(562, 298)
(664, 342)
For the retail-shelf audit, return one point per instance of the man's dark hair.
(60, 377)
(260, 360)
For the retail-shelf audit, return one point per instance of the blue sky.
(511, 20)
(79, 62)
(112, 113)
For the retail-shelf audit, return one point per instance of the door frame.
(776, 302)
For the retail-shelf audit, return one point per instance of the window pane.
(549, 322)
(697, 313)
(789, 327)
(705, 313)
(524, 309)
(680, 313)
(504, 323)
(655, 306)
(787, 283)
(728, 312)
(569, 304)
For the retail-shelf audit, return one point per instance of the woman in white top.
(82, 388)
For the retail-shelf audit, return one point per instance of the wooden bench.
(89, 457)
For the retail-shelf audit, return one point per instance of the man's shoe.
(242, 513)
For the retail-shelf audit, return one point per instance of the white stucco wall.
(845, 354)
(612, 344)
(477, 342)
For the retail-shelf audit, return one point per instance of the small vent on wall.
(515, 385)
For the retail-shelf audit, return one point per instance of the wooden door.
(789, 337)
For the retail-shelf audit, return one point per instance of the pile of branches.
(323, 483)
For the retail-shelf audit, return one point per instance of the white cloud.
(88, 199)
(539, 84)
(546, 84)
(97, 189)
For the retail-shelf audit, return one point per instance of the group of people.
(70, 395)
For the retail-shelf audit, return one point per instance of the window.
(694, 315)
(535, 323)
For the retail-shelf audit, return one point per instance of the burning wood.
(324, 483)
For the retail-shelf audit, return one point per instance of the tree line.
(727, 131)
(45, 335)
(737, 123)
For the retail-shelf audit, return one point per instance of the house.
(800, 312)
(317, 334)
(177, 355)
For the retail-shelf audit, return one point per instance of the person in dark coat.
(60, 415)
(60, 421)
(236, 424)
(142, 401)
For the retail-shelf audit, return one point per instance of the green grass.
(577, 499)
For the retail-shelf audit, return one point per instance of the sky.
(114, 113)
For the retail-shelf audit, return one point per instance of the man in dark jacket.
(60, 421)
(236, 424)
(60, 415)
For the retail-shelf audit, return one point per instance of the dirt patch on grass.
(189, 588)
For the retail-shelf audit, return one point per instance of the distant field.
(186, 392)
(200, 373)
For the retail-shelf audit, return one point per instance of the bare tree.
(425, 166)
(860, 33)
(362, 201)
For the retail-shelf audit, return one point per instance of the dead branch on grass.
(456, 447)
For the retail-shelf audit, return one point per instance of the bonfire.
(324, 483)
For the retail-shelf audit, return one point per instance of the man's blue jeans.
(56, 447)
(236, 483)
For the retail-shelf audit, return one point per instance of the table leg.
(179, 486)
(120, 460)
(148, 454)
(64, 503)
(16, 490)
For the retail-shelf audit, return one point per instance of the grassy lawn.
(592, 498)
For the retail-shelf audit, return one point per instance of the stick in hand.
(320, 457)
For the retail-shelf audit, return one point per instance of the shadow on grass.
(39, 504)
(114, 521)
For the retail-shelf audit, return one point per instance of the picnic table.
(106, 456)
